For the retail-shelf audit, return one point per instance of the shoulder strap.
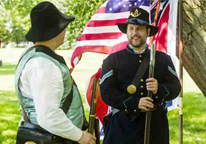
(139, 74)
(67, 102)
(28, 50)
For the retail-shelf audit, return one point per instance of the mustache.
(135, 35)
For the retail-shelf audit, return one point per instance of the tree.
(15, 21)
(83, 11)
(194, 39)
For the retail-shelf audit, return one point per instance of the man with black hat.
(47, 93)
(127, 121)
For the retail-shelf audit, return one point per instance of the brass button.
(140, 61)
(142, 93)
(141, 86)
(156, 97)
(140, 55)
(142, 80)
(135, 110)
(131, 89)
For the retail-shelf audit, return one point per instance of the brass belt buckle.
(30, 142)
(131, 89)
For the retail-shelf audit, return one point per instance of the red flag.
(101, 107)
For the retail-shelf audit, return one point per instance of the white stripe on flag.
(171, 45)
(110, 16)
(108, 42)
(96, 30)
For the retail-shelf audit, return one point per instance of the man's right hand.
(145, 103)
(87, 138)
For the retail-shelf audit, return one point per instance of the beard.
(137, 44)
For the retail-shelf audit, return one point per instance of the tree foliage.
(15, 17)
(82, 10)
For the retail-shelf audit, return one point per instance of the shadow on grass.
(7, 69)
(9, 117)
(194, 120)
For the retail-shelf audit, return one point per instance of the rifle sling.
(141, 70)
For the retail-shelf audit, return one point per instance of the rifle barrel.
(149, 113)
(92, 113)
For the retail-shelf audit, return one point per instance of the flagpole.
(180, 73)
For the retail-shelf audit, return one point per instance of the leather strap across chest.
(132, 88)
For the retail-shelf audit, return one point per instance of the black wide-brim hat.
(46, 22)
(138, 16)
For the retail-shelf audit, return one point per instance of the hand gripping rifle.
(149, 113)
(93, 120)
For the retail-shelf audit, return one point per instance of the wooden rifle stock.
(93, 121)
(149, 113)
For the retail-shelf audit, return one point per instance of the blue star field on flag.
(116, 6)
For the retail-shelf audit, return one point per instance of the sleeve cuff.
(76, 134)
(162, 92)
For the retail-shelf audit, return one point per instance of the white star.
(130, 5)
(110, 9)
(135, 3)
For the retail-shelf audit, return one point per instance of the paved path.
(89, 64)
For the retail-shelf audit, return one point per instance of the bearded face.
(137, 35)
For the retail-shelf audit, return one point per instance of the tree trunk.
(194, 40)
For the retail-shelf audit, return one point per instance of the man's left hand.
(152, 85)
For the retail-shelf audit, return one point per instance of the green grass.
(7, 69)
(194, 120)
(194, 115)
(9, 117)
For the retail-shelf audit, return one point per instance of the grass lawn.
(9, 117)
(194, 119)
(7, 69)
(194, 116)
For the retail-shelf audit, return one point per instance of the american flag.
(101, 34)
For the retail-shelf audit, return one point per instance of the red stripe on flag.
(98, 23)
(101, 10)
(100, 36)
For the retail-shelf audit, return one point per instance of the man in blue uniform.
(127, 123)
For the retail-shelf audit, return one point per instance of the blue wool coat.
(118, 71)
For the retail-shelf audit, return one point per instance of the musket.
(93, 120)
(151, 75)
(149, 113)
